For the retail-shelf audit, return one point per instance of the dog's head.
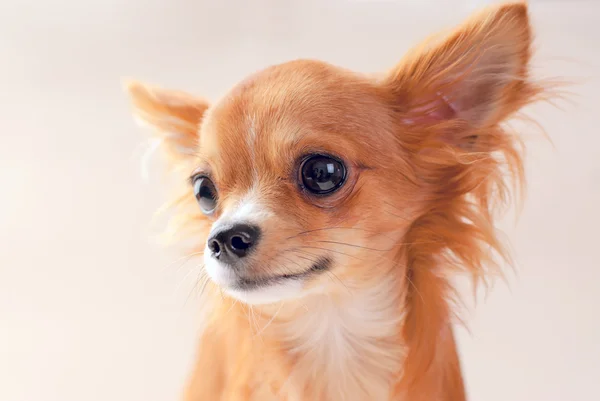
(308, 177)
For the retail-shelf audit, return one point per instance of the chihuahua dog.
(332, 210)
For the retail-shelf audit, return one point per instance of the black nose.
(232, 243)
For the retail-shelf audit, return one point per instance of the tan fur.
(428, 161)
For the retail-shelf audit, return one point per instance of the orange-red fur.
(429, 160)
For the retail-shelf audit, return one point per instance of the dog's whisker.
(182, 264)
(329, 250)
(204, 285)
(255, 324)
(412, 284)
(398, 209)
(201, 278)
(330, 273)
(298, 253)
(235, 301)
(299, 249)
(193, 292)
(185, 258)
(270, 320)
(183, 280)
(302, 233)
(351, 245)
(291, 261)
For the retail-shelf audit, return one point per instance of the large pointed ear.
(175, 116)
(478, 75)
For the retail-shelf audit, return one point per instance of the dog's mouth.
(247, 284)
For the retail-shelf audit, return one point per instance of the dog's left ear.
(174, 115)
(477, 75)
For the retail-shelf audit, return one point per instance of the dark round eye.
(322, 175)
(206, 194)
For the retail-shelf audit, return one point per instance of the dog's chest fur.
(345, 350)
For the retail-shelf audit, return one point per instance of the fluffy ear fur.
(175, 116)
(450, 97)
(477, 76)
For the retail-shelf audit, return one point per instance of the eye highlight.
(322, 174)
(205, 193)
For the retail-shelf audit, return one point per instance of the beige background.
(92, 310)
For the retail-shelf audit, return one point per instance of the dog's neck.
(348, 344)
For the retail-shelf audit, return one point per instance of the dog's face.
(299, 174)
(308, 176)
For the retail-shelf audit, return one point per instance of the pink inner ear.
(435, 110)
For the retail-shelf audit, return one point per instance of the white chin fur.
(269, 294)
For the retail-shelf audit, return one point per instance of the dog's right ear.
(175, 117)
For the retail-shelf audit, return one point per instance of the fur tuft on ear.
(174, 115)
(477, 75)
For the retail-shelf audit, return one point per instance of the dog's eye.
(206, 194)
(322, 175)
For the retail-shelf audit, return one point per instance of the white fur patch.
(247, 210)
(250, 211)
(270, 294)
(353, 341)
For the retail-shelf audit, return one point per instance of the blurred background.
(92, 309)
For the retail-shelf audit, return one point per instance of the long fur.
(379, 327)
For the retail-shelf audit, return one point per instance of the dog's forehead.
(274, 113)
